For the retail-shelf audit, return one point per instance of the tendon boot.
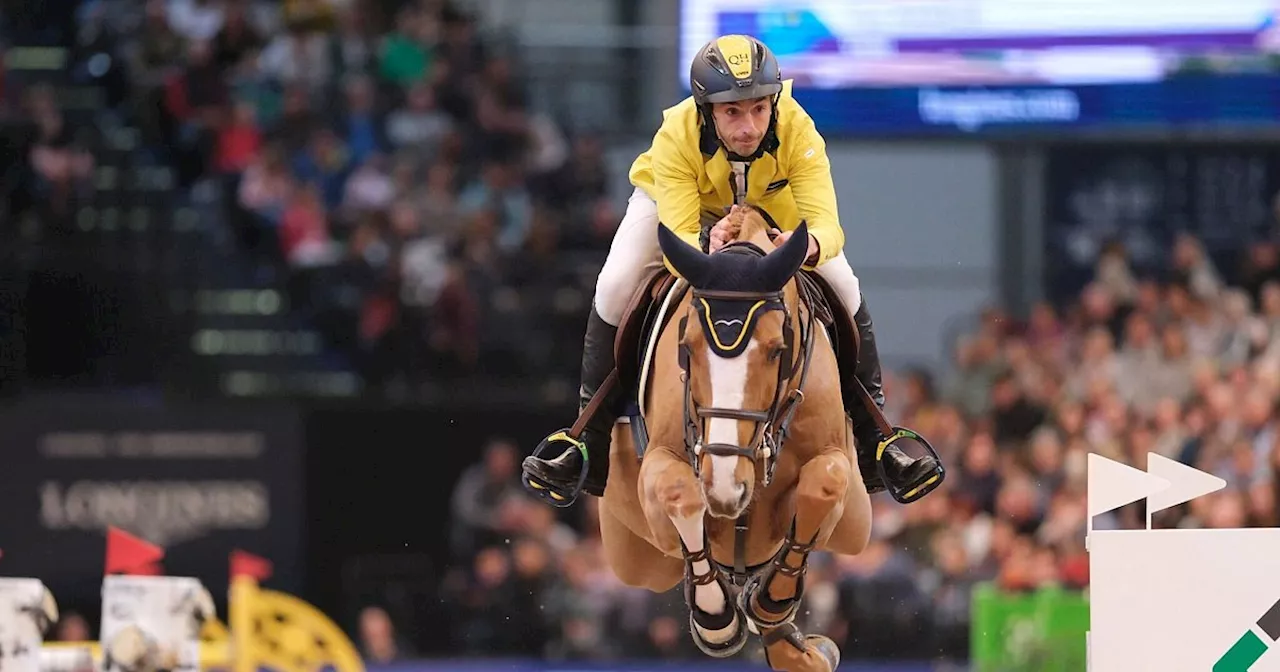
(580, 464)
(908, 479)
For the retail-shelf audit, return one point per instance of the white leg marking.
(708, 598)
(728, 390)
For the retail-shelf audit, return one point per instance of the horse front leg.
(772, 599)
(676, 510)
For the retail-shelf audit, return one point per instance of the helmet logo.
(737, 53)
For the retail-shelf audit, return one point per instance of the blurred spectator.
(1013, 415)
(239, 141)
(304, 230)
(406, 53)
(359, 124)
(62, 167)
(196, 20)
(419, 124)
(498, 191)
(1114, 274)
(325, 163)
(353, 52)
(238, 38)
(298, 57)
(380, 644)
(266, 188)
(438, 203)
(72, 627)
(369, 188)
(194, 101)
(480, 494)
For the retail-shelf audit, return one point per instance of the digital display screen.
(966, 65)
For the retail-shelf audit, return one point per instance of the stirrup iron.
(909, 492)
(551, 448)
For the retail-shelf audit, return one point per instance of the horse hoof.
(824, 647)
(726, 649)
(756, 621)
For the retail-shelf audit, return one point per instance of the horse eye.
(776, 351)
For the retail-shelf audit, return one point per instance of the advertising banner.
(1042, 631)
(197, 480)
(966, 66)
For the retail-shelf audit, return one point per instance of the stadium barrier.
(152, 622)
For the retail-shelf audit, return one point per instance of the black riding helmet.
(733, 68)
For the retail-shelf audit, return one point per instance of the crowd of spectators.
(1183, 364)
(379, 160)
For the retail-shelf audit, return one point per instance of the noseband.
(772, 423)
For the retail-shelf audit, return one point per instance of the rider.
(741, 123)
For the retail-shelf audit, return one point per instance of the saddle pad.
(642, 390)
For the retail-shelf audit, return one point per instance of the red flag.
(127, 554)
(247, 564)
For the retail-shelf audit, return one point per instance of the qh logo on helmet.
(737, 53)
(1176, 599)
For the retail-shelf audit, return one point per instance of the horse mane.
(747, 222)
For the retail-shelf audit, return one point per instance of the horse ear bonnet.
(742, 269)
(729, 323)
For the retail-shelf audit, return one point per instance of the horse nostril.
(742, 498)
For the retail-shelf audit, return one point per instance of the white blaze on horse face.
(728, 390)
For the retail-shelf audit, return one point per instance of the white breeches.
(634, 252)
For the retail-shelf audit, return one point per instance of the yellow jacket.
(792, 183)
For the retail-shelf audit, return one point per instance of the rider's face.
(742, 125)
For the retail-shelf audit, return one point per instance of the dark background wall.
(350, 502)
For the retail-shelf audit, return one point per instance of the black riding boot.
(904, 472)
(561, 472)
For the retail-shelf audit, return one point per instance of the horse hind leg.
(718, 627)
(772, 598)
(787, 650)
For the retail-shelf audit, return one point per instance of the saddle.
(644, 317)
(638, 323)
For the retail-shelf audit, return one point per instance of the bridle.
(772, 423)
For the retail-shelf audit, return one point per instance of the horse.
(749, 466)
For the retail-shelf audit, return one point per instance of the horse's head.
(738, 352)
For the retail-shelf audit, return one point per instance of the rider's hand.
(720, 235)
(781, 237)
